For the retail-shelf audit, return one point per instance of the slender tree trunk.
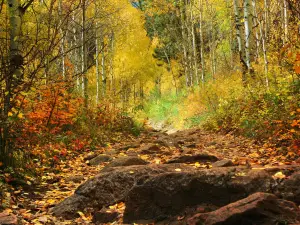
(84, 56)
(247, 34)
(97, 67)
(255, 26)
(172, 72)
(194, 46)
(103, 72)
(264, 44)
(62, 42)
(76, 54)
(239, 37)
(14, 76)
(112, 78)
(212, 40)
(188, 26)
(285, 21)
(201, 41)
(184, 48)
(266, 15)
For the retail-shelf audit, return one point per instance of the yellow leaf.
(279, 175)
(197, 164)
(51, 201)
(240, 174)
(10, 114)
(82, 215)
(144, 157)
(20, 115)
(254, 155)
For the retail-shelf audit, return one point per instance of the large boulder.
(168, 194)
(290, 188)
(108, 188)
(258, 208)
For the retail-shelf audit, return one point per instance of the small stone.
(100, 159)
(126, 147)
(125, 161)
(8, 219)
(149, 149)
(191, 145)
(223, 163)
(75, 179)
(90, 156)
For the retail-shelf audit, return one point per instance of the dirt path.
(33, 205)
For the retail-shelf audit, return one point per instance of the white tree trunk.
(264, 46)
(247, 34)
(184, 48)
(62, 42)
(84, 56)
(194, 45)
(97, 67)
(103, 73)
(201, 41)
(255, 25)
(285, 22)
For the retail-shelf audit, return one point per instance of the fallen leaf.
(279, 175)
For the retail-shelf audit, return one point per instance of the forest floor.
(31, 204)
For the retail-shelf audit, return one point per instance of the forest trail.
(195, 148)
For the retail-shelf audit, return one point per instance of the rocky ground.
(187, 177)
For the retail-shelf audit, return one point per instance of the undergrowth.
(225, 104)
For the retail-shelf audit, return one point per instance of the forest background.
(76, 75)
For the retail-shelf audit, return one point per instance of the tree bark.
(247, 34)
(184, 48)
(84, 56)
(239, 37)
(201, 41)
(62, 44)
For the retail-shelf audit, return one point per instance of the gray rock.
(100, 159)
(194, 158)
(70, 206)
(125, 161)
(149, 149)
(223, 163)
(108, 188)
(258, 208)
(8, 219)
(290, 188)
(104, 216)
(75, 179)
(128, 146)
(168, 194)
(90, 156)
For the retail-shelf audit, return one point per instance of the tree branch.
(26, 5)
